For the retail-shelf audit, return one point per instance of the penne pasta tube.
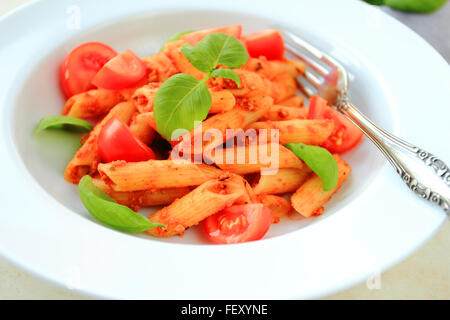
(173, 50)
(295, 101)
(207, 199)
(282, 87)
(244, 113)
(221, 101)
(156, 174)
(149, 118)
(255, 158)
(249, 195)
(313, 132)
(271, 69)
(160, 67)
(285, 180)
(144, 98)
(142, 126)
(86, 159)
(145, 198)
(281, 113)
(309, 199)
(279, 206)
(252, 84)
(94, 102)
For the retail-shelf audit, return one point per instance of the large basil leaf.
(179, 103)
(216, 49)
(109, 212)
(63, 122)
(320, 161)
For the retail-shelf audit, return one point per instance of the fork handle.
(412, 163)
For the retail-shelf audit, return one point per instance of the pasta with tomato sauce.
(216, 173)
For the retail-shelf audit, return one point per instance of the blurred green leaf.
(420, 6)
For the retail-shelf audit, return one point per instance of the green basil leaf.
(421, 6)
(227, 74)
(320, 161)
(63, 122)
(198, 58)
(109, 212)
(216, 49)
(179, 103)
(375, 2)
(177, 36)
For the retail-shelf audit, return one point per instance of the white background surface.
(423, 275)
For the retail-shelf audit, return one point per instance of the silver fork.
(412, 163)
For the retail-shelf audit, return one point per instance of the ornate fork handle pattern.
(396, 149)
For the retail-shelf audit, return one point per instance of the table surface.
(424, 275)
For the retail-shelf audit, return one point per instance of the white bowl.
(397, 79)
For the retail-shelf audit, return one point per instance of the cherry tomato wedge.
(121, 72)
(117, 142)
(267, 43)
(81, 65)
(240, 223)
(345, 135)
(194, 37)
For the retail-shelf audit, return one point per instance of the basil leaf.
(109, 212)
(63, 122)
(421, 6)
(177, 36)
(215, 49)
(198, 58)
(227, 74)
(179, 103)
(320, 161)
(375, 2)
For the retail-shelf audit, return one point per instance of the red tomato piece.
(194, 37)
(345, 135)
(117, 142)
(240, 223)
(267, 43)
(81, 65)
(121, 72)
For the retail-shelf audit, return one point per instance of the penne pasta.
(285, 180)
(221, 101)
(313, 132)
(309, 199)
(173, 50)
(271, 69)
(281, 113)
(86, 159)
(282, 87)
(145, 198)
(252, 84)
(295, 101)
(149, 118)
(279, 206)
(155, 174)
(94, 102)
(227, 153)
(160, 67)
(144, 97)
(246, 112)
(207, 199)
(256, 157)
(142, 126)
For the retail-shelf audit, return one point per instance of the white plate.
(372, 223)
